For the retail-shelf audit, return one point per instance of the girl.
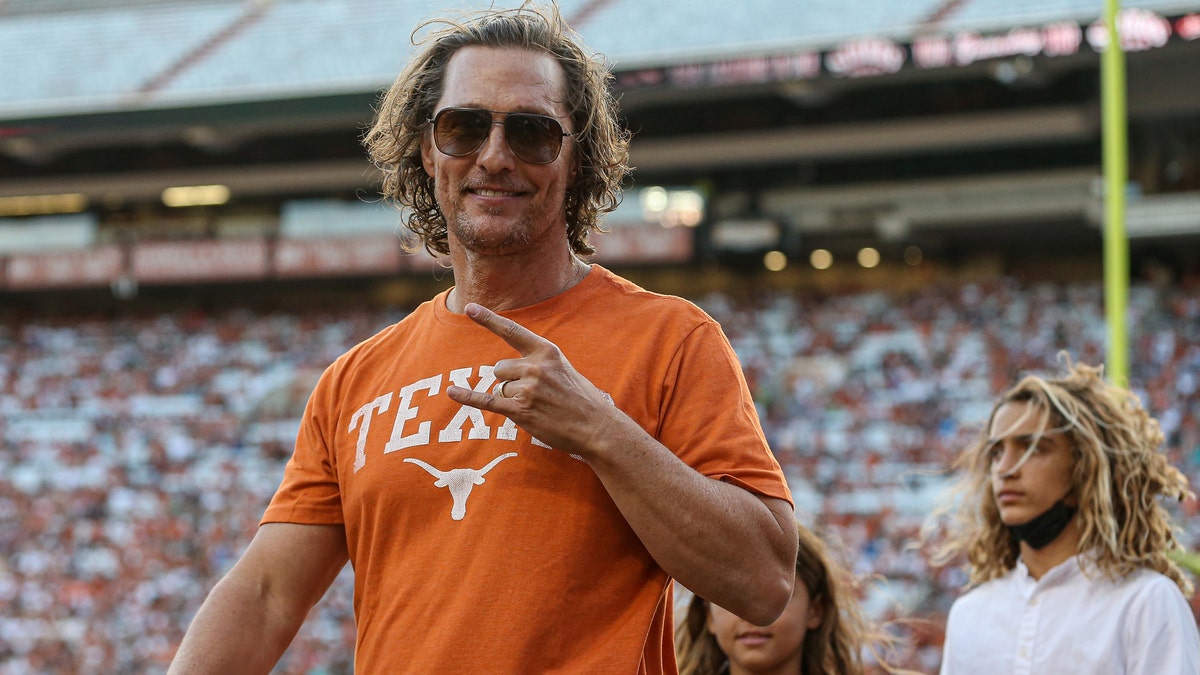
(822, 631)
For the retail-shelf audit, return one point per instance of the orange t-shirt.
(475, 547)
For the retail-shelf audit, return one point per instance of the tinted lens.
(536, 139)
(461, 132)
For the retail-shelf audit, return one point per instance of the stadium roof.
(63, 57)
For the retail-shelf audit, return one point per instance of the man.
(517, 470)
(1065, 540)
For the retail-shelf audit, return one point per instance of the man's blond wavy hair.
(1119, 477)
(402, 118)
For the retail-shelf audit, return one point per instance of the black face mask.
(1045, 528)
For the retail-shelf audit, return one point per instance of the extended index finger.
(519, 337)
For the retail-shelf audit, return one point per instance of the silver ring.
(500, 388)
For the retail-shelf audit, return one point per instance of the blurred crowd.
(139, 452)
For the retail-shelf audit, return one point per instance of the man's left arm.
(724, 543)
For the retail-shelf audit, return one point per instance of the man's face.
(493, 201)
(1024, 491)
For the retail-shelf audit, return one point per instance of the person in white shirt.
(1058, 518)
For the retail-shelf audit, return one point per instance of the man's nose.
(495, 153)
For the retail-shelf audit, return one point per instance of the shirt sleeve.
(709, 418)
(1161, 634)
(948, 666)
(309, 493)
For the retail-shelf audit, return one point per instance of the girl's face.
(766, 649)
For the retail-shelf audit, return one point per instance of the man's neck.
(503, 283)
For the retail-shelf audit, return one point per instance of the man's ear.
(427, 155)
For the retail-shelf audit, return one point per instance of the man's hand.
(540, 391)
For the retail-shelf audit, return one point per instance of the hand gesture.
(540, 391)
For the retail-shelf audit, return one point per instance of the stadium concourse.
(891, 207)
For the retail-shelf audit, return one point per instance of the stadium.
(892, 208)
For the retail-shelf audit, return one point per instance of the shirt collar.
(1060, 573)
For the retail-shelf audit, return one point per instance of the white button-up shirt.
(1068, 623)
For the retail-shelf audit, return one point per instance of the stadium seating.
(991, 14)
(140, 451)
(100, 58)
(90, 57)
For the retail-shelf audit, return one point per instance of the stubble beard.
(474, 236)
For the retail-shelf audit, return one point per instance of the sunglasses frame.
(503, 122)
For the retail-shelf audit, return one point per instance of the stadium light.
(913, 256)
(195, 195)
(672, 207)
(43, 205)
(868, 257)
(775, 261)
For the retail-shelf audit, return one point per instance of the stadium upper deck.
(951, 126)
(68, 56)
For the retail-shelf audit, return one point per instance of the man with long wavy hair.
(518, 469)
(1058, 516)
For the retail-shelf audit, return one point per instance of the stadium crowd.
(139, 452)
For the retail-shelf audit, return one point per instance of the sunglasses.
(536, 139)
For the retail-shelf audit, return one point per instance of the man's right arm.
(252, 614)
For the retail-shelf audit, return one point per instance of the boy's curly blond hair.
(1120, 474)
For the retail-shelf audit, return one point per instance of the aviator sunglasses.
(536, 139)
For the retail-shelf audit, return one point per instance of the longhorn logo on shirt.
(460, 481)
(412, 424)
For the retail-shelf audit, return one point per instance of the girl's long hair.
(835, 647)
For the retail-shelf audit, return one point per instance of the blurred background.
(893, 208)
